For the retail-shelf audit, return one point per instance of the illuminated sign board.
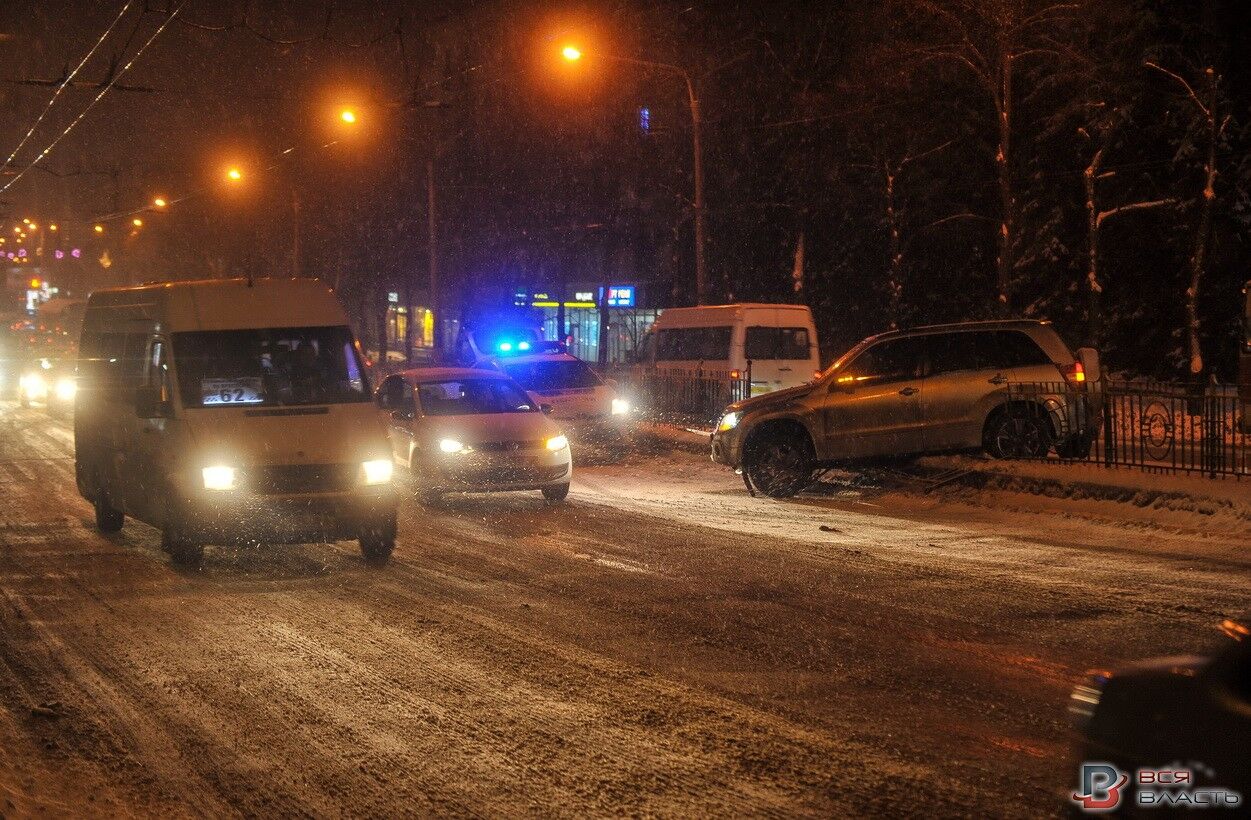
(620, 296)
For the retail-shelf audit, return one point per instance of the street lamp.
(573, 54)
(160, 202)
(348, 116)
(98, 228)
(137, 222)
(234, 174)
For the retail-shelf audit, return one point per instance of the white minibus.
(779, 342)
(230, 411)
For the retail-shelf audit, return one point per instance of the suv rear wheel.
(1017, 432)
(778, 462)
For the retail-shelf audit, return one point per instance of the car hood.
(771, 401)
(487, 427)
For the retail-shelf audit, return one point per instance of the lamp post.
(573, 54)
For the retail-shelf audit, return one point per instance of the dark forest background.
(892, 163)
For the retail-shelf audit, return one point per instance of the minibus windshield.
(269, 366)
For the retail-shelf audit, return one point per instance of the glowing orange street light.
(137, 222)
(571, 53)
(348, 116)
(52, 227)
(234, 174)
(160, 202)
(98, 229)
(34, 227)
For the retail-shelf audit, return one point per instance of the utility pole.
(432, 227)
(697, 146)
(295, 232)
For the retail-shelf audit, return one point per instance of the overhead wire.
(68, 79)
(112, 80)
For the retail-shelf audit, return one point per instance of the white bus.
(777, 344)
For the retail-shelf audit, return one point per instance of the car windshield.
(473, 397)
(545, 377)
(269, 367)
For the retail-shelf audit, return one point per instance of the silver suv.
(1011, 388)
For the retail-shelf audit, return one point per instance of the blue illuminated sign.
(619, 296)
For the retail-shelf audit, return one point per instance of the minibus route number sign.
(230, 391)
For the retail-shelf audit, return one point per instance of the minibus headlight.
(620, 407)
(557, 443)
(65, 389)
(219, 477)
(378, 471)
(451, 445)
(34, 385)
(728, 422)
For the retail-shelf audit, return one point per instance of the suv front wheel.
(1017, 432)
(778, 462)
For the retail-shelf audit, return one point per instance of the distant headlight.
(557, 443)
(620, 407)
(65, 389)
(451, 445)
(728, 422)
(378, 471)
(219, 477)
(34, 385)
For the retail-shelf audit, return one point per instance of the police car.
(579, 398)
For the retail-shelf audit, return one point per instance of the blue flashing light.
(506, 347)
(523, 345)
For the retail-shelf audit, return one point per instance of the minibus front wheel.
(108, 517)
(377, 539)
(183, 552)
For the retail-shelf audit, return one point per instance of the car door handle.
(909, 391)
(998, 378)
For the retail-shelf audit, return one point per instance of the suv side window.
(1015, 349)
(953, 352)
(888, 361)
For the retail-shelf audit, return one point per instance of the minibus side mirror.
(148, 404)
(546, 409)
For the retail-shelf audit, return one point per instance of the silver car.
(466, 430)
(1011, 388)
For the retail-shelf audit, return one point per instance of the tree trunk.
(1094, 288)
(1007, 202)
(1201, 237)
(895, 281)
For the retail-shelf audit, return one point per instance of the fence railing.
(1158, 427)
(696, 396)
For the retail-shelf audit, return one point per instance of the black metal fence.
(1158, 427)
(696, 396)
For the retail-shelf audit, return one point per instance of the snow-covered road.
(661, 644)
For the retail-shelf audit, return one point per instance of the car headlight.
(451, 445)
(557, 443)
(219, 477)
(378, 471)
(34, 385)
(65, 389)
(728, 422)
(620, 407)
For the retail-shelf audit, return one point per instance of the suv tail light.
(1075, 374)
